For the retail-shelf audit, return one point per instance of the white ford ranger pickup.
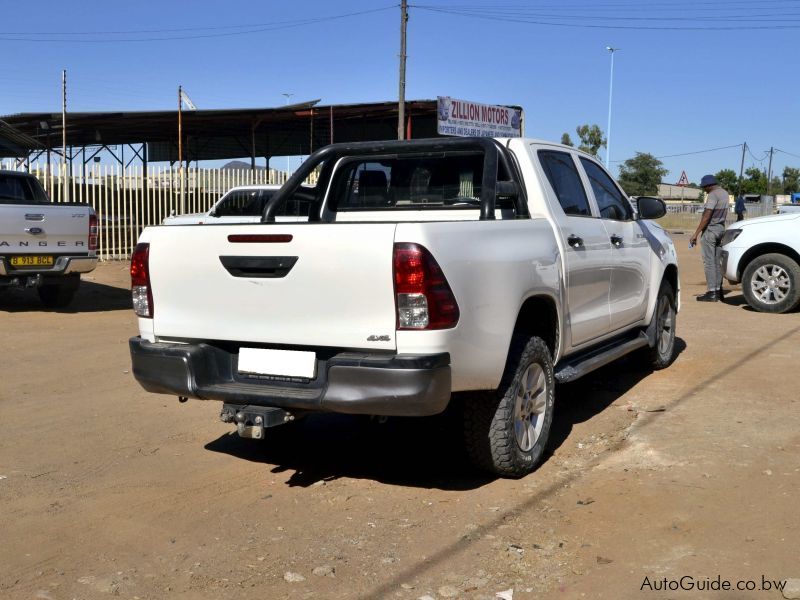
(764, 255)
(469, 269)
(43, 245)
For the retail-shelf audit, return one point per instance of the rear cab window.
(450, 181)
(21, 189)
(251, 203)
(422, 183)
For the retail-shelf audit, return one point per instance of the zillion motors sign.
(470, 119)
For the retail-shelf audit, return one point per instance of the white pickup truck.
(43, 245)
(472, 269)
(764, 255)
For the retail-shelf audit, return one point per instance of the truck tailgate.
(43, 228)
(307, 285)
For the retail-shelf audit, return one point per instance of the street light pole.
(610, 94)
(287, 96)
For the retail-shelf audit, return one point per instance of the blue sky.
(675, 91)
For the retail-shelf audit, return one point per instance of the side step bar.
(572, 368)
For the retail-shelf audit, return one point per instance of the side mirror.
(651, 208)
(507, 189)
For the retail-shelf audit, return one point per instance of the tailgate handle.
(258, 266)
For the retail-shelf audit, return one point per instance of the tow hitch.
(252, 421)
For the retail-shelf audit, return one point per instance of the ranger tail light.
(141, 291)
(423, 297)
(93, 232)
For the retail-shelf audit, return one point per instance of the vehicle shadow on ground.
(580, 400)
(739, 300)
(424, 453)
(91, 297)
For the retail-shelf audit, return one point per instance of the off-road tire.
(766, 264)
(489, 419)
(58, 295)
(661, 355)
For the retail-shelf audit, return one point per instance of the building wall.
(676, 192)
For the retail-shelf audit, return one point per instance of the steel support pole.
(180, 152)
(401, 103)
(65, 191)
(610, 96)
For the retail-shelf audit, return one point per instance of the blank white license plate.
(286, 363)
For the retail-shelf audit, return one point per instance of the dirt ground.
(106, 490)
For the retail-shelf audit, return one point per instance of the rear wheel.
(506, 431)
(771, 283)
(59, 295)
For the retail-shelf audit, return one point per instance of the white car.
(764, 254)
(793, 209)
(245, 204)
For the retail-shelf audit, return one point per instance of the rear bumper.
(347, 382)
(63, 265)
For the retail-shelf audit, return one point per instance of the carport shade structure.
(14, 143)
(293, 130)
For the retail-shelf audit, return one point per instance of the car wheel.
(662, 353)
(506, 431)
(771, 283)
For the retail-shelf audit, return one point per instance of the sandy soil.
(106, 490)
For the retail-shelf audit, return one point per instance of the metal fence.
(128, 200)
(686, 216)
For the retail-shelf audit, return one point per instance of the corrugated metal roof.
(292, 130)
(14, 143)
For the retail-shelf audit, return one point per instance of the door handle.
(270, 267)
(575, 241)
(616, 240)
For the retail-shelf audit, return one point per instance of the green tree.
(591, 137)
(728, 179)
(566, 140)
(776, 186)
(791, 180)
(640, 175)
(754, 182)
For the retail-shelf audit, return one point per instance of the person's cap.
(708, 180)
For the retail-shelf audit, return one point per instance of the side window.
(563, 176)
(610, 201)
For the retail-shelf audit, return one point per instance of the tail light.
(141, 291)
(423, 297)
(93, 232)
